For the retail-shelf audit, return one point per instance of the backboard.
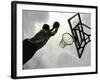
(80, 34)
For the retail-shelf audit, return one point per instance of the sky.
(52, 55)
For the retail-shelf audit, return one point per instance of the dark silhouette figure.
(30, 46)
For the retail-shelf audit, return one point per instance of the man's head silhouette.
(46, 27)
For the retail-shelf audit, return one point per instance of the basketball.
(56, 25)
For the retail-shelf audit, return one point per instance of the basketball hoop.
(67, 39)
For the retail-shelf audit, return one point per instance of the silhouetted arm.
(53, 31)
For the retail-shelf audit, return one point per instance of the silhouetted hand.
(55, 26)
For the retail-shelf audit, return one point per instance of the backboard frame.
(79, 27)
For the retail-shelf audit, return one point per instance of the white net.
(67, 39)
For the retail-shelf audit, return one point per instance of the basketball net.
(67, 39)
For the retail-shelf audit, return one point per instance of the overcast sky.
(30, 19)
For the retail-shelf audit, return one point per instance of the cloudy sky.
(51, 55)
